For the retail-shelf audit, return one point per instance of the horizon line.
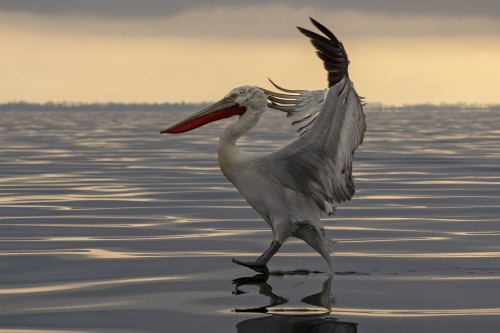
(66, 105)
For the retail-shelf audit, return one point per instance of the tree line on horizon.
(182, 106)
(111, 106)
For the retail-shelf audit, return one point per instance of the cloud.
(160, 8)
(263, 22)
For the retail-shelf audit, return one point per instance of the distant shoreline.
(67, 106)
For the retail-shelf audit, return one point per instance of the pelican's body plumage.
(295, 186)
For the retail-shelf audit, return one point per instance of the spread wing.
(303, 106)
(318, 165)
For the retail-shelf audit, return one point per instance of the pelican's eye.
(241, 91)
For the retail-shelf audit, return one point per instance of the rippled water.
(107, 226)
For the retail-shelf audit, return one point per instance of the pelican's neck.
(236, 130)
(230, 156)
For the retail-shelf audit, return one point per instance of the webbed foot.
(255, 265)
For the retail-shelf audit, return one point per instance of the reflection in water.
(265, 289)
(295, 324)
(282, 320)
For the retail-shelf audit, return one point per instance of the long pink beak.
(225, 108)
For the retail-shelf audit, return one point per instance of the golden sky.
(198, 54)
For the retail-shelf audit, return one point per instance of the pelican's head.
(249, 97)
(239, 101)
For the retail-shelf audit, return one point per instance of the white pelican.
(295, 186)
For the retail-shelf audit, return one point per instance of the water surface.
(106, 226)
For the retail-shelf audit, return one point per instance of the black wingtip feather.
(330, 50)
(324, 30)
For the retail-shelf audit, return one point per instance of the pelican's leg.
(260, 263)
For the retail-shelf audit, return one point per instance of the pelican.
(294, 187)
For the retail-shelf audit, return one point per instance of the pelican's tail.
(316, 238)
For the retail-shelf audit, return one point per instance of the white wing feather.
(303, 106)
(318, 164)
